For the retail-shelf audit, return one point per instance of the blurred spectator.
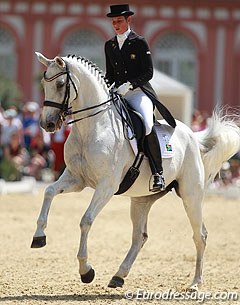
(42, 158)
(57, 145)
(10, 124)
(1, 116)
(25, 148)
(30, 122)
(225, 173)
(235, 167)
(199, 120)
(15, 157)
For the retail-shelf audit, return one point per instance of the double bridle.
(65, 110)
(64, 106)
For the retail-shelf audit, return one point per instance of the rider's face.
(120, 24)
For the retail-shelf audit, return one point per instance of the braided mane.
(93, 69)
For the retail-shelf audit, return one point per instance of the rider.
(129, 65)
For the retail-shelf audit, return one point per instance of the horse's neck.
(91, 92)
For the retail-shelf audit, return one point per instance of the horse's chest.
(81, 160)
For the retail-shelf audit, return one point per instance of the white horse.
(98, 155)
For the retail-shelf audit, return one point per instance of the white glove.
(124, 88)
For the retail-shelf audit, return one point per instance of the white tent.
(176, 96)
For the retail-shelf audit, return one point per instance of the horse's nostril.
(50, 126)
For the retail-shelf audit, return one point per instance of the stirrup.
(158, 183)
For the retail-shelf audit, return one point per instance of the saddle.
(136, 122)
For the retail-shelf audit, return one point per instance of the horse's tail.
(219, 142)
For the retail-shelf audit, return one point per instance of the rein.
(119, 105)
(86, 109)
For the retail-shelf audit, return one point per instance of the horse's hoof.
(38, 242)
(115, 282)
(88, 277)
(193, 288)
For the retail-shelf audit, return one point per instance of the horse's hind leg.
(140, 207)
(193, 206)
(66, 183)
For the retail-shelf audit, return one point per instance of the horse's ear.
(46, 62)
(60, 62)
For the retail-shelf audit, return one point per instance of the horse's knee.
(86, 222)
(50, 191)
(200, 239)
(139, 240)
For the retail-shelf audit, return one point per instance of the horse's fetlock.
(81, 259)
(42, 223)
(124, 271)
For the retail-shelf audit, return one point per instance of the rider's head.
(121, 17)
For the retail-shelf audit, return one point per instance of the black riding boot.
(153, 152)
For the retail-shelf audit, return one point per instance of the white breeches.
(140, 102)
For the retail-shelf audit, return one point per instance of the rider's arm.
(109, 68)
(145, 67)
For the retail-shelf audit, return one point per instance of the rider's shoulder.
(111, 40)
(134, 36)
(109, 44)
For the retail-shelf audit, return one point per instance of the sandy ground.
(50, 275)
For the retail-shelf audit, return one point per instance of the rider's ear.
(46, 62)
(60, 62)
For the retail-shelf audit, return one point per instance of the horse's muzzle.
(51, 123)
(50, 127)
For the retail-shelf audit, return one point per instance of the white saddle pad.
(164, 133)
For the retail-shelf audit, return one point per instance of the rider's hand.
(124, 88)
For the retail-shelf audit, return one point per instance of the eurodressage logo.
(199, 297)
(168, 147)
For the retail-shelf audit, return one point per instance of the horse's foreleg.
(140, 208)
(99, 200)
(66, 183)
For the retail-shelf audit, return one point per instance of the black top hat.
(119, 10)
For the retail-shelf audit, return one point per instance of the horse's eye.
(60, 84)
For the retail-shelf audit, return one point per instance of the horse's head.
(59, 89)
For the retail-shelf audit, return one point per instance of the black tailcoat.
(133, 63)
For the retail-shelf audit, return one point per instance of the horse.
(98, 155)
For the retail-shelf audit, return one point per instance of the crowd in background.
(27, 150)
